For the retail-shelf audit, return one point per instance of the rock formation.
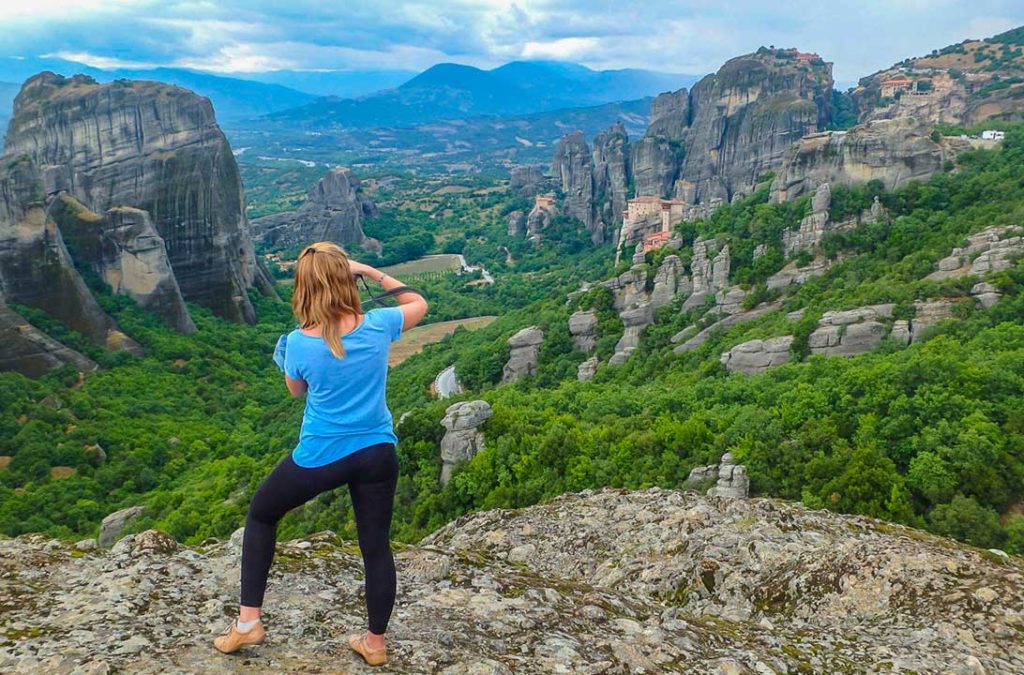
(710, 274)
(755, 356)
(611, 173)
(29, 351)
(113, 525)
(124, 249)
(670, 115)
(927, 313)
(583, 328)
(152, 147)
(894, 152)
(36, 270)
(649, 581)
(334, 210)
(516, 223)
(527, 180)
(731, 479)
(525, 351)
(733, 482)
(991, 250)
(656, 163)
(539, 217)
(586, 370)
(573, 170)
(745, 117)
(850, 332)
(462, 439)
(635, 319)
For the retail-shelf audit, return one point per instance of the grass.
(413, 341)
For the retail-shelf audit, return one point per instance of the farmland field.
(413, 341)
(431, 263)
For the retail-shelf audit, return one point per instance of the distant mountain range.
(453, 91)
(361, 99)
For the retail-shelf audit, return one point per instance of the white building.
(992, 135)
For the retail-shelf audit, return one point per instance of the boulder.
(733, 482)
(524, 354)
(516, 223)
(583, 328)
(986, 294)
(462, 440)
(927, 313)
(634, 320)
(755, 356)
(112, 526)
(586, 370)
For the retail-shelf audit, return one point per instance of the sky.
(683, 37)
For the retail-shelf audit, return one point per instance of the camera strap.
(387, 294)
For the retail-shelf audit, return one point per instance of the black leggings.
(371, 474)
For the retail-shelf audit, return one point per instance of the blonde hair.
(325, 291)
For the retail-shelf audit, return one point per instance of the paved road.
(446, 384)
(472, 268)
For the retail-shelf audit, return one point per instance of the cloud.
(671, 35)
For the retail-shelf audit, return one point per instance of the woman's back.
(346, 407)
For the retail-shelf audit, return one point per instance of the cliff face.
(36, 269)
(713, 142)
(611, 173)
(639, 582)
(334, 210)
(572, 168)
(892, 151)
(152, 147)
(746, 115)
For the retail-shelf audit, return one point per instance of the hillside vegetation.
(931, 434)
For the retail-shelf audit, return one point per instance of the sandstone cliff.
(334, 210)
(611, 166)
(152, 147)
(713, 142)
(572, 168)
(36, 270)
(894, 152)
(635, 582)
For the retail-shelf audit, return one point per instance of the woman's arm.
(295, 387)
(413, 306)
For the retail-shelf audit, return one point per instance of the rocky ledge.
(595, 582)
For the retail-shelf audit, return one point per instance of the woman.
(338, 357)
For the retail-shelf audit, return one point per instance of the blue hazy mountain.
(340, 83)
(450, 90)
(232, 98)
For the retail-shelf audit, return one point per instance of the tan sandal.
(374, 657)
(233, 639)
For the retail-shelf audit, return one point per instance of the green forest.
(930, 434)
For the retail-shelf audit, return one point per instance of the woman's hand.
(359, 269)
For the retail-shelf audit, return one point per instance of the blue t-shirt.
(345, 405)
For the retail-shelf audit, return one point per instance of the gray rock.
(927, 313)
(112, 526)
(583, 328)
(525, 351)
(901, 331)
(755, 356)
(651, 579)
(893, 151)
(586, 370)
(156, 148)
(986, 294)
(527, 180)
(733, 482)
(516, 223)
(572, 167)
(334, 210)
(462, 439)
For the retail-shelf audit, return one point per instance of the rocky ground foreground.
(595, 582)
